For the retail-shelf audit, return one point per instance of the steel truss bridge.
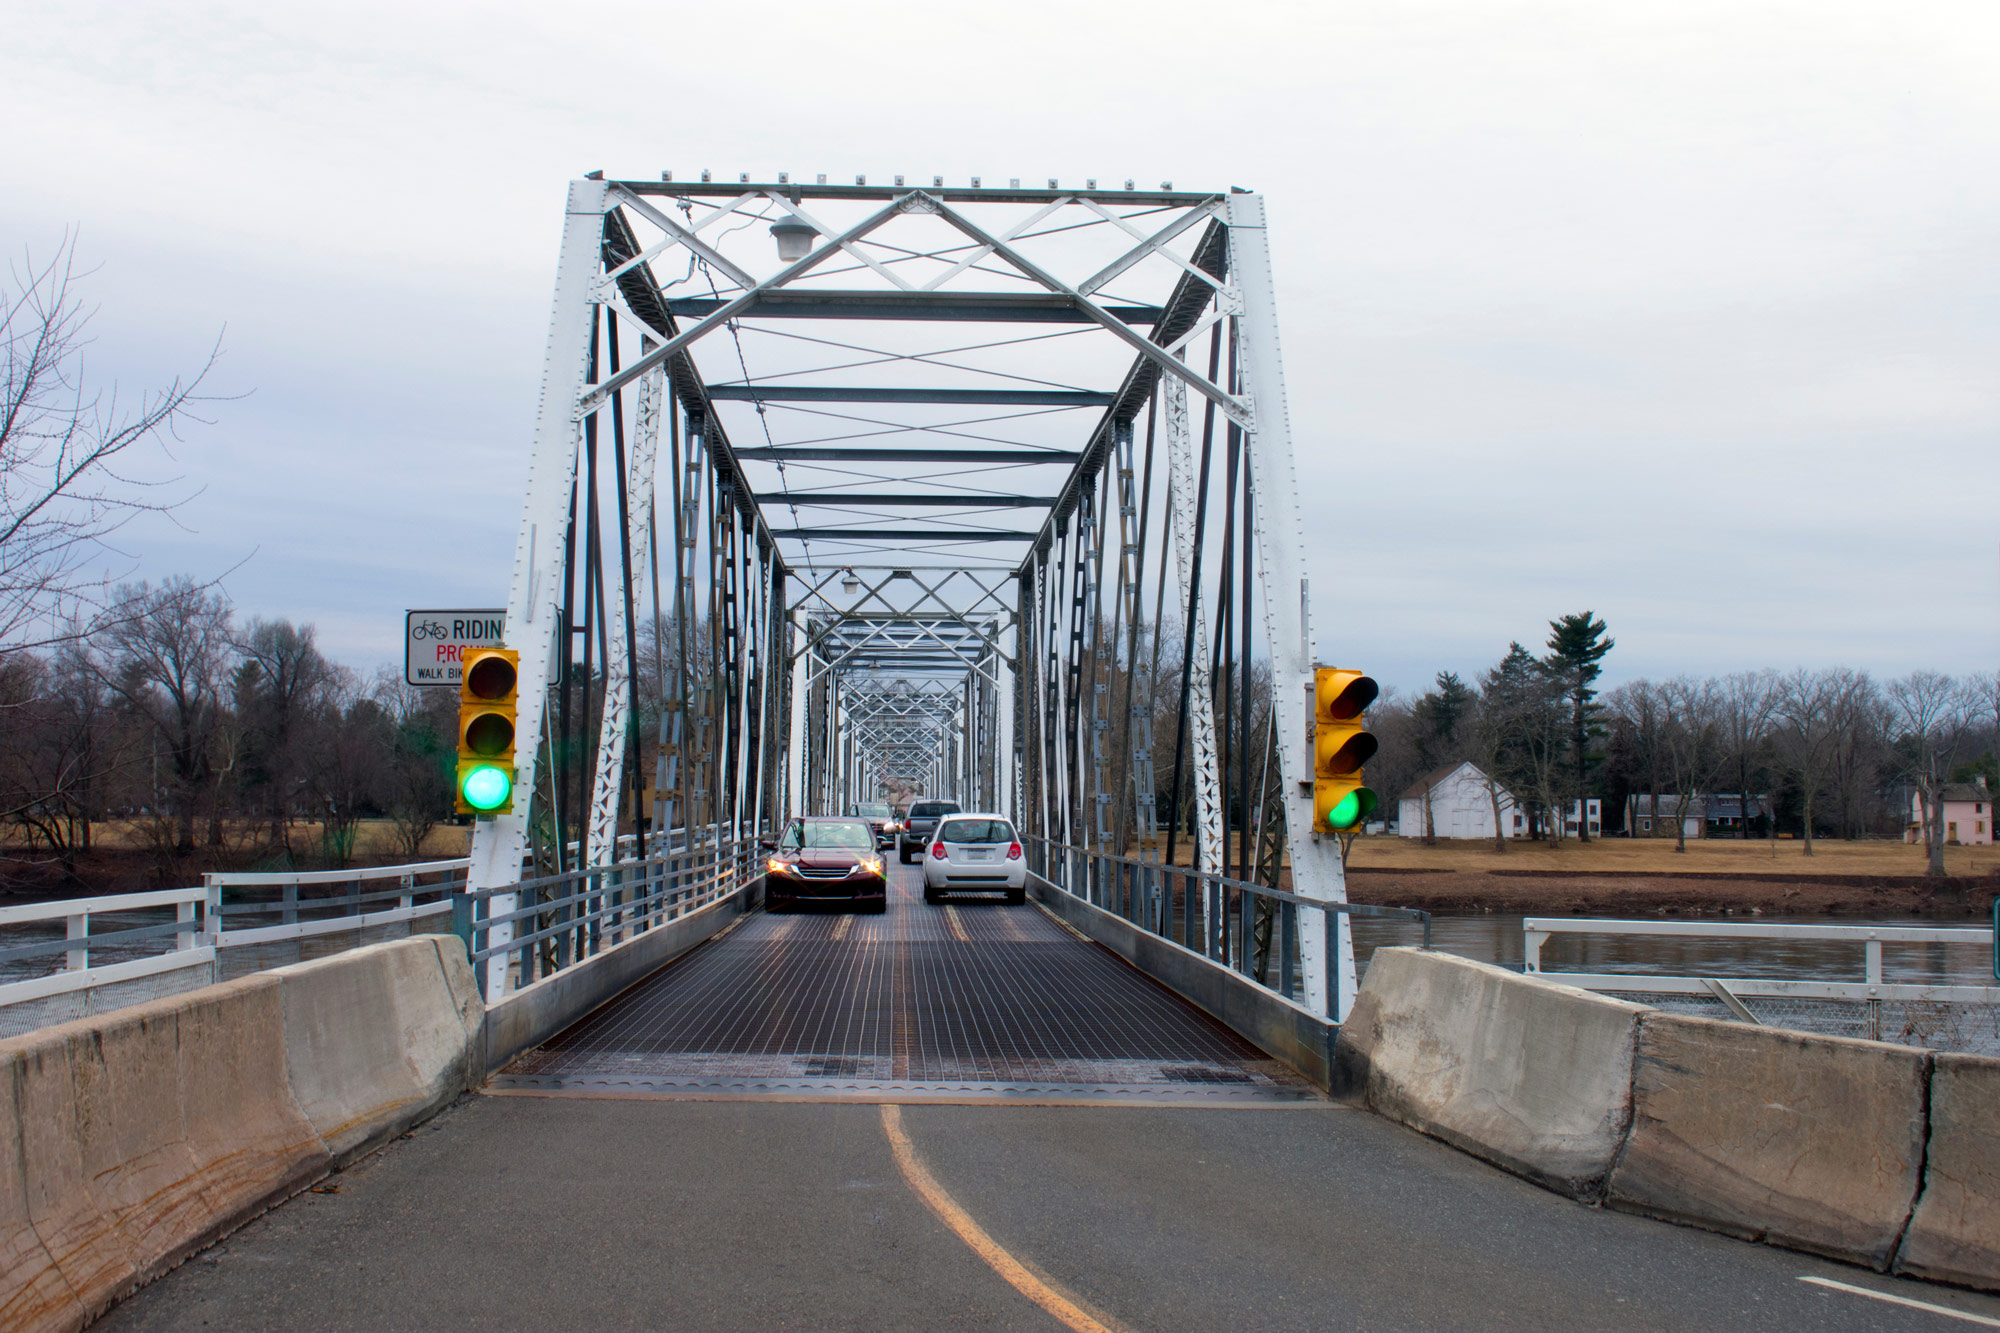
(980, 492)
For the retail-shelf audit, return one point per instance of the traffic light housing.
(1342, 744)
(487, 698)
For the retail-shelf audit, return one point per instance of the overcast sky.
(1687, 313)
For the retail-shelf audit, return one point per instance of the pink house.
(1968, 815)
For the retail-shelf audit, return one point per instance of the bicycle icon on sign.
(430, 629)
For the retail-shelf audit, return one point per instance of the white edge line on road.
(1944, 1310)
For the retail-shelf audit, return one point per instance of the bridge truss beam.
(998, 600)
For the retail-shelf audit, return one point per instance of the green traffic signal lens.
(1351, 809)
(487, 787)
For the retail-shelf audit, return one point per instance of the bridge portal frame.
(1039, 677)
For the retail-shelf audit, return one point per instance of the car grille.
(821, 872)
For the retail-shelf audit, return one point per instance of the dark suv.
(918, 824)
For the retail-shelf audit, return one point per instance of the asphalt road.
(530, 1212)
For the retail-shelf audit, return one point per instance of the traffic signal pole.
(534, 598)
(1317, 872)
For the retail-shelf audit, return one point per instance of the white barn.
(1461, 806)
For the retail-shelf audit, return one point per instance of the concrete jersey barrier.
(1815, 1143)
(1532, 1076)
(1954, 1234)
(137, 1137)
(131, 1139)
(1812, 1142)
(380, 1038)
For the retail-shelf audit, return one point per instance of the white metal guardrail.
(1870, 940)
(187, 942)
(122, 949)
(302, 916)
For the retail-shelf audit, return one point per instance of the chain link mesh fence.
(1936, 1025)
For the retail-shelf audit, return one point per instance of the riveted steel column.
(1316, 866)
(534, 592)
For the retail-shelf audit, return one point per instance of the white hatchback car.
(977, 852)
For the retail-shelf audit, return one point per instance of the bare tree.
(1692, 733)
(281, 680)
(1809, 721)
(415, 785)
(1749, 701)
(71, 470)
(169, 655)
(1933, 713)
(346, 747)
(1859, 745)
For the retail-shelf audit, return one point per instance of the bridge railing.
(1213, 915)
(561, 920)
(70, 959)
(271, 915)
(1853, 995)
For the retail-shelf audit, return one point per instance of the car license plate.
(978, 854)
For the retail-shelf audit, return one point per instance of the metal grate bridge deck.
(971, 1002)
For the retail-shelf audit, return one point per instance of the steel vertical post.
(1317, 872)
(533, 596)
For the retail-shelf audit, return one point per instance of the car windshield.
(976, 830)
(932, 809)
(871, 811)
(828, 833)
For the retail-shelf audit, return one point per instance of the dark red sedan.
(831, 861)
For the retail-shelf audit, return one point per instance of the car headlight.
(871, 865)
(777, 867)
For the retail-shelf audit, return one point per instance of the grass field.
(374, 839)
(1657, 856)
(1644, 856)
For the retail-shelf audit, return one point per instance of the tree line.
(1835, 751)
(201, 730)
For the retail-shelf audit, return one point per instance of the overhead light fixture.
(794, 238)
(850, 582)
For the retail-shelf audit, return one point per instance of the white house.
(1461, 806)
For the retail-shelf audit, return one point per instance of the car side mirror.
(768, 844)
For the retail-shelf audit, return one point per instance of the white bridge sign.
(435, 642)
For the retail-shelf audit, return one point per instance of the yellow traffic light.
(1342, 744)
(487, 698)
